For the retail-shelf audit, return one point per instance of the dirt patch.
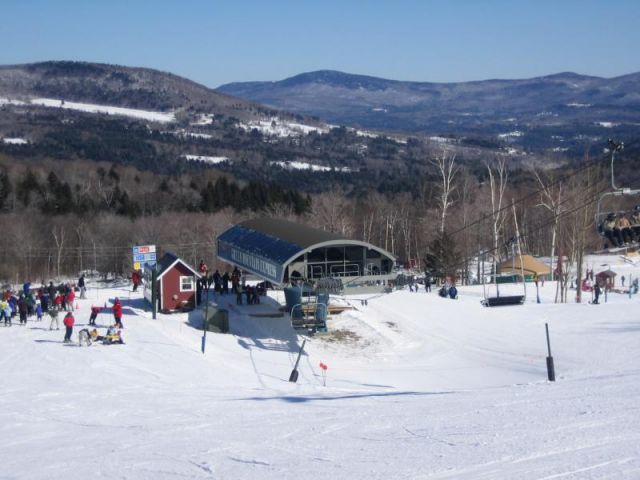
(342, 336)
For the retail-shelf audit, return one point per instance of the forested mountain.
(552, 111)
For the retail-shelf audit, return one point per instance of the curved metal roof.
(265, 246)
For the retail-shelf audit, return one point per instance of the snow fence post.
(293, 378)
(551, 372)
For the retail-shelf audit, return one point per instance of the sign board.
(251, 262)
(144, 255)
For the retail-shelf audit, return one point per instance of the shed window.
(187, 284)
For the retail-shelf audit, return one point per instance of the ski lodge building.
(280, 251)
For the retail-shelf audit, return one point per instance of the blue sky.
(215, 42)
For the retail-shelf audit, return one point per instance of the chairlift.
(606, 220)
(504, 300)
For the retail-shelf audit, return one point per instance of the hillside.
(157, 121)
(551, 111)
(115, 85)
(417, 387)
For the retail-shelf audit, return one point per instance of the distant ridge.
(373, 102)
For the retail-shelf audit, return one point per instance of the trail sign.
(144, 255)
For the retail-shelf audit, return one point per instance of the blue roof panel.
(260, 244)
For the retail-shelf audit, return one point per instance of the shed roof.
(524, 262)
(168, 260)
(606, 273)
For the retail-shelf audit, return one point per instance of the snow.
(515, 133)
(279, 128)
(298, 165)
(161, 117)
(206, 159)
(364, 133)
(426, 387)
(183, 133)
(204, 119)
(15, 141)
(9, 101)
(439, 139)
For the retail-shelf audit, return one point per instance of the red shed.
(176, 283)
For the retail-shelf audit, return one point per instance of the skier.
(117, 313)
(71, 296)
(427, 283)
(135, 279)
(53, 313)
(202, 268)
(225, 283)
(94, 315)
(81, 286)
(68, 324)
(596, 293)
(23, 309)
(216, 281)
(235, 280)
(39, 310)
(5, 312)
(610, 232)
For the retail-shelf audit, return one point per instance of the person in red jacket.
(117, 313)
(68, 321)
(58, 301)
(71, 296)
(135, 279)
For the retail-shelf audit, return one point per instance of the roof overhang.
(268, 256)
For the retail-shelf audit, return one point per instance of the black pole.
(154, 293)
(205, 323)
(551, 371)
(294, 373)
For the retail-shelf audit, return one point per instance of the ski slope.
(422, 387)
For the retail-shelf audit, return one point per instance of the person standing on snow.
(117, 313)
(135, 279)
(82, 287)
(596, 292)
(71, 296)
(68, 321)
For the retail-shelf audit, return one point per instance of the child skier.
(68, 323)
(94, 314)
(117, 313)
(38, 310)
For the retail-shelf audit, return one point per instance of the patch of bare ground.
(342, 336)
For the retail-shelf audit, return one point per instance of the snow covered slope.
(417, 387)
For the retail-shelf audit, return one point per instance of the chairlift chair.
(605, 215)
(503, 300)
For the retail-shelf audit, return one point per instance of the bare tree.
(58, 233)
(447, 171)
(551, 200)
(498, 177)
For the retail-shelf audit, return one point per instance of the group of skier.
(621, 229)
(220, 283)
(50, 300)
(28, 301)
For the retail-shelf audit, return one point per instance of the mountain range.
(491, 107)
